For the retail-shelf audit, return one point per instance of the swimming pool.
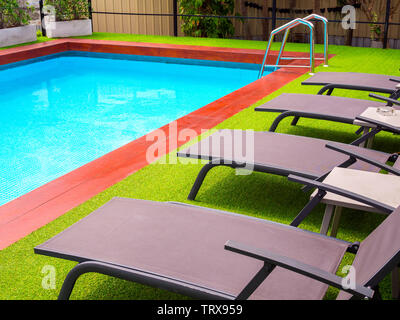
(68, 109)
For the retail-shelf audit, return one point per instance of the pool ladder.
(287, 27)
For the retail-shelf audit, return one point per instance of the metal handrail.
(287, 27)
(326, 36)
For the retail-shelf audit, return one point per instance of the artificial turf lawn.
(261, 195)
(39, 40)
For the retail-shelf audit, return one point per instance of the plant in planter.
(375, 32)
(12, 15)
(207, 26)
(67, 18)
(68, 10)
(373, 10)
(14, 23)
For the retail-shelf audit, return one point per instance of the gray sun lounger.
(164, 245)
(355, 81)
(322, 107)
(280, 154)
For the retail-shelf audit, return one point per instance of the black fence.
(274, 10)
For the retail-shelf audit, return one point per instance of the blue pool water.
(60, 113)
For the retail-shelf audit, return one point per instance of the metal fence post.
(273, 14)
(90, 11)
(175, 18)
(42, 18)
(386, 32)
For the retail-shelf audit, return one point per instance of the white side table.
(384, 188)
(371, 113)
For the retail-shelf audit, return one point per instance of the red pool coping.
(37, 208)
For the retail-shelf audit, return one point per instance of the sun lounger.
(275, 153)
(375, 187)
(384, 188)
(210, 254)
(322, 107)
(355, 81)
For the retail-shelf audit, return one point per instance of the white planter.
(17, 35)
(64, 29)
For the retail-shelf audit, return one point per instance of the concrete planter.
(65, 29)
(17, 35)
(376, 44)
(394, 43)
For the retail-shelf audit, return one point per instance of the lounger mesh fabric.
(351, 78)
(187, 243)
(380, 247)
(329, 106)
(293, 154)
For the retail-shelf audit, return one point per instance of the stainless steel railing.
(287, 27)
(326, 36)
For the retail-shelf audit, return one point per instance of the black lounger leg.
(257, 280)
(308, 208)
(106, 269)
(377, 294)
(328, 88)
(71, 278)
(396, 283)
(200, 178)
(282, 116)
(295, 121)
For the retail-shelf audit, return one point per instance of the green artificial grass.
(227, 43)
(260, 195)
(39, 40)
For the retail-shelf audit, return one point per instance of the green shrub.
(12, 15)
(67, 10)
(205, 26)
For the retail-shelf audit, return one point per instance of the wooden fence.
(137, 24)
(246, 29)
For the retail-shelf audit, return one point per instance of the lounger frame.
(257, 167)
(301, 114)
(138, 276)
(270, 260)
(329, 88)
(235, 165)
(284, 113)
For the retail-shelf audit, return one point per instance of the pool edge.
(37, 208)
